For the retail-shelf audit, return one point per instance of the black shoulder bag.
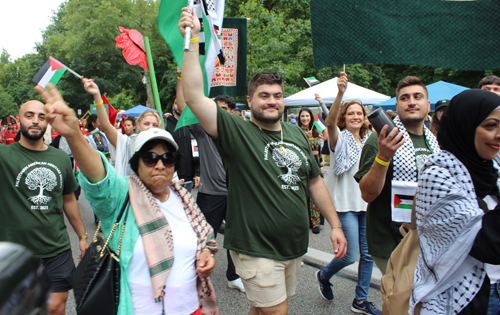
(96, 280)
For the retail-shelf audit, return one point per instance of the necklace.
(282, 148)
(166, 198)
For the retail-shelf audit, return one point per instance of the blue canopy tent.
(437, 91)
(136, 111)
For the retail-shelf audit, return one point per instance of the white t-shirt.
(343, 189)
(122, 153)
(181, 294)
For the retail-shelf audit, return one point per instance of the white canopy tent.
(328, 92)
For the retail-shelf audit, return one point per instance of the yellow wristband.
(382, 162)
(99, 104)
(194, 40)
(179, 78)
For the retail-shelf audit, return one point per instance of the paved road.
(232, 302)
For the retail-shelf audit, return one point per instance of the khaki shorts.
(267, 282)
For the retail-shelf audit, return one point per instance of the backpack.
(397, 284)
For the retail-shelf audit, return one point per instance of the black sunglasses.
(168, 159)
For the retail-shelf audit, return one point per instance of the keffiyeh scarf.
(405, 164)
(448, 217)
(347, 151)
(156, 235)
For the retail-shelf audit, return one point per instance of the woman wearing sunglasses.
(347, 134)
(152, 281)
(122, 146)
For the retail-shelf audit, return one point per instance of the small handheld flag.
(51, 71)
(311, 81)
(319, 123)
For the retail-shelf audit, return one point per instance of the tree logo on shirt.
(290, 160)
(41, 178)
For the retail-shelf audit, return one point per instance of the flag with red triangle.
(402, 195)
(51, 71)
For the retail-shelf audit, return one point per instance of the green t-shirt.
(267, 213)
(382, 239)
(32, 187)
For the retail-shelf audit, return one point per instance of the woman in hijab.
(457, 211)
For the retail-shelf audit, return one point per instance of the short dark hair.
(491, 79)
(266, 77)
(131, 119)
(134, 160)
(226, 99)
(410, 81)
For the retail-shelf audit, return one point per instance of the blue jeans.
(494, 304)
(354, 227)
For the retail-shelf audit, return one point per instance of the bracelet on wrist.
(83, 236)
(194, 40)
(337, 227)
(99, 104)
(179, 78)
(382, 162)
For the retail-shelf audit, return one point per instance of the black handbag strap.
(127, 198)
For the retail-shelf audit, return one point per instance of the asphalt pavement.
(307, 299)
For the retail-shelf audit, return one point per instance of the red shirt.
(10, 137)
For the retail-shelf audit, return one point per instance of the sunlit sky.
(21, 24)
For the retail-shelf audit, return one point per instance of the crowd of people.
(264, 178)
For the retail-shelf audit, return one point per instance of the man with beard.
(270, 170)
(37, 188)
(389, 166)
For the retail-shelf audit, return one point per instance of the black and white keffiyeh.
(405, 163)
(347, 151)
(448, 217)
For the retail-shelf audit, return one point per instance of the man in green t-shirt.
(37, 190)
(270, 170)
(389, 166)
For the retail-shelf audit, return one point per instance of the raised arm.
(202, 107)
(179, 96)
(331, 120)
(63, 118)
(108, 128)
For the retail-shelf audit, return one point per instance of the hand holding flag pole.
(187, 34)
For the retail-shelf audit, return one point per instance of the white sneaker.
(236, 284)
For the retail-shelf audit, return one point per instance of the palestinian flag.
(211, 15)
(51, 71)
(319, 123)
(403, 201)
(311, 81)
(402, 195)
(112, 112)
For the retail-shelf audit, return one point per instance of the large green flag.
(211, 20)
(457, 34)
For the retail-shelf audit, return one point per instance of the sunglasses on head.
(168, 159)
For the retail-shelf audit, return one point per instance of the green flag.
(450, 34)
(210, 49)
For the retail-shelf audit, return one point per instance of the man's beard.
(265, 119)
(33, 136)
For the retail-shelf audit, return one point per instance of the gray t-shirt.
(212, 173)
